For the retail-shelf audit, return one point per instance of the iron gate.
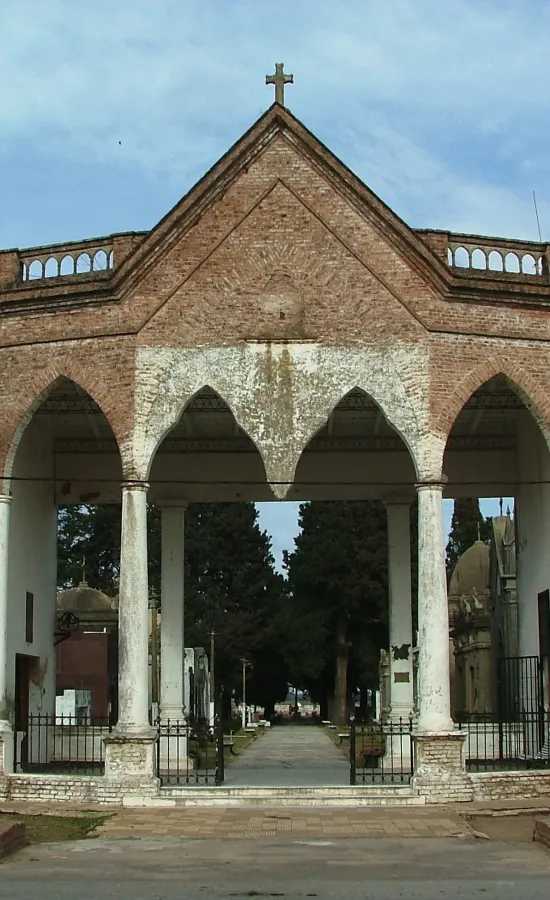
(189, 754)
(381, 753)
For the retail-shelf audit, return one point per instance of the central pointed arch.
(206, 455)
(356, 454)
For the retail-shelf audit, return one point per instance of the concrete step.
(369, 795)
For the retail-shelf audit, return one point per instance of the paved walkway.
(290, 756)
(197, 822)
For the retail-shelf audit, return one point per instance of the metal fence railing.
(520, 741)
(381, 753)
(189, 754)
(54, 744)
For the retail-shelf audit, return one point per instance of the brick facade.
(278, 242)
(282, 283)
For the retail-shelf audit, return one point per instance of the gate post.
(352, 756)
(220, 761)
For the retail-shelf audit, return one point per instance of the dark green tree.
(88, 544)
(233, 590)
(337, 612)
(467, 526)
(231, 586)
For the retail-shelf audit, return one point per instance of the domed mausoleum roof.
(84, 600)
(471, 575)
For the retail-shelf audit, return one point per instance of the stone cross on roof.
(279, 79)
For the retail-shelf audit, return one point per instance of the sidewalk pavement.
(297, 823)
(300, 823)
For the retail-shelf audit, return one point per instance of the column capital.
(6, 498)
(438, 484)
(135, 486)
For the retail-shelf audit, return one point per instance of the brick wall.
(508, 785)
(279, 241)
(82, 664)
(66, 789)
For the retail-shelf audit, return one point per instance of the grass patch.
(44, 829)
(206, 755)
(241, 741)
(369, 742)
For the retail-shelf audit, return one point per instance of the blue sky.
(109, 112)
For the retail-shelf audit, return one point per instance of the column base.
(173, 714)
(395, 713)
(130, 758)
(173, 754)
(6, 749)
(398, 753)
(440, 766)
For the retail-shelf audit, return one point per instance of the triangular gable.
(269, 279)
(277, 120)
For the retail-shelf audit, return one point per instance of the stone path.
(212, 822)
(290, 756)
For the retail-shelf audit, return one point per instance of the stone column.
(401, 641)
(173, 745)
(434, 691)
(172, 613)
(439, 758)
(6, 735)
(129, 749)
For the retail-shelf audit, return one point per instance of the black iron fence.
(189, 754)
(519, 686)
(381, 753)
(54, 744)
(518, 741)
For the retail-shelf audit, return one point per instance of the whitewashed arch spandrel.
(281, 395)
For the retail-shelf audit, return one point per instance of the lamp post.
(212, 680)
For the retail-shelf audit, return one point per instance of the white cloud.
(418, 96)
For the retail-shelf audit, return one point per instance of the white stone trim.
(281, 394)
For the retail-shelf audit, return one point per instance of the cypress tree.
(467, 526)
(338, 586)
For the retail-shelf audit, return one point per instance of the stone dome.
(84, 599)
(472, 573)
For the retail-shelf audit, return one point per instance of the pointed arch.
(280, 395)
(382, 410)
(374, 428)
(28, 404)
(179, 411)
(531, 393)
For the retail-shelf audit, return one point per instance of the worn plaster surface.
(282, 394)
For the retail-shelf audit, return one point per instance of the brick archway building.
(281, 333)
